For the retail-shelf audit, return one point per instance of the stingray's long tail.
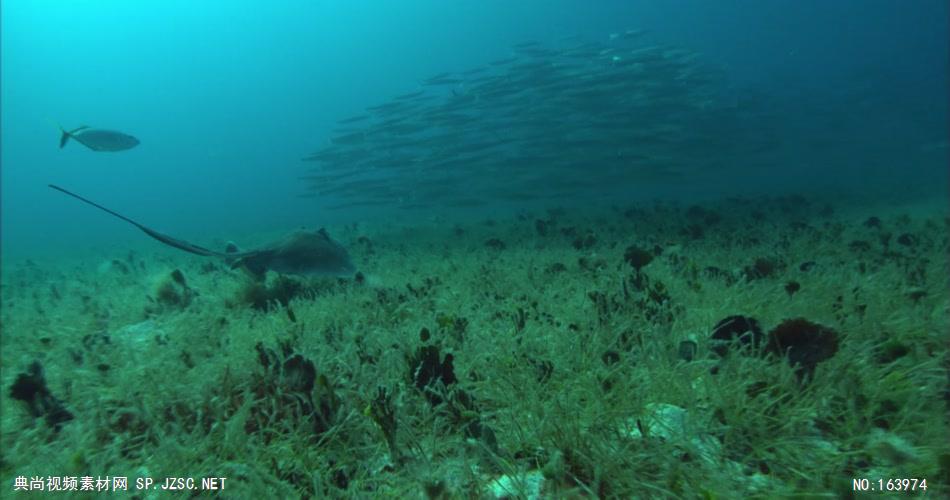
(168, 240)
(100, 207)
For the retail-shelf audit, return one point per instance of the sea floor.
(734, 349)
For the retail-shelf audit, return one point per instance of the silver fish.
(98, 139)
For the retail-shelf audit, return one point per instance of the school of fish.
(581, 120)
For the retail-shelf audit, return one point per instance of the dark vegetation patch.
(30, 389)
(444, 378)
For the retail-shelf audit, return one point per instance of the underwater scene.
(484, 249)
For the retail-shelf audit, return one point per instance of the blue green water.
(228, 96)
(585, 237)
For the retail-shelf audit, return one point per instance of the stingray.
(304, 253)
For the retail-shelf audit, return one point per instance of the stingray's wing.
(168, 240)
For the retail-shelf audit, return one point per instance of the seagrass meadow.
(753, 347)
(474, 249)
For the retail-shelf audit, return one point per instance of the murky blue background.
(228, 96)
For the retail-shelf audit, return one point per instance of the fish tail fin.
(64, 138)
(66, 134)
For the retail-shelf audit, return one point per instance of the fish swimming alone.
(303, 253)
(98, 139)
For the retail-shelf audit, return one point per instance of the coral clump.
(740, 331)
(173, 292)
(286, 390)
(30, 388)
(804, 343)
(637, 257)
(764, 267)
